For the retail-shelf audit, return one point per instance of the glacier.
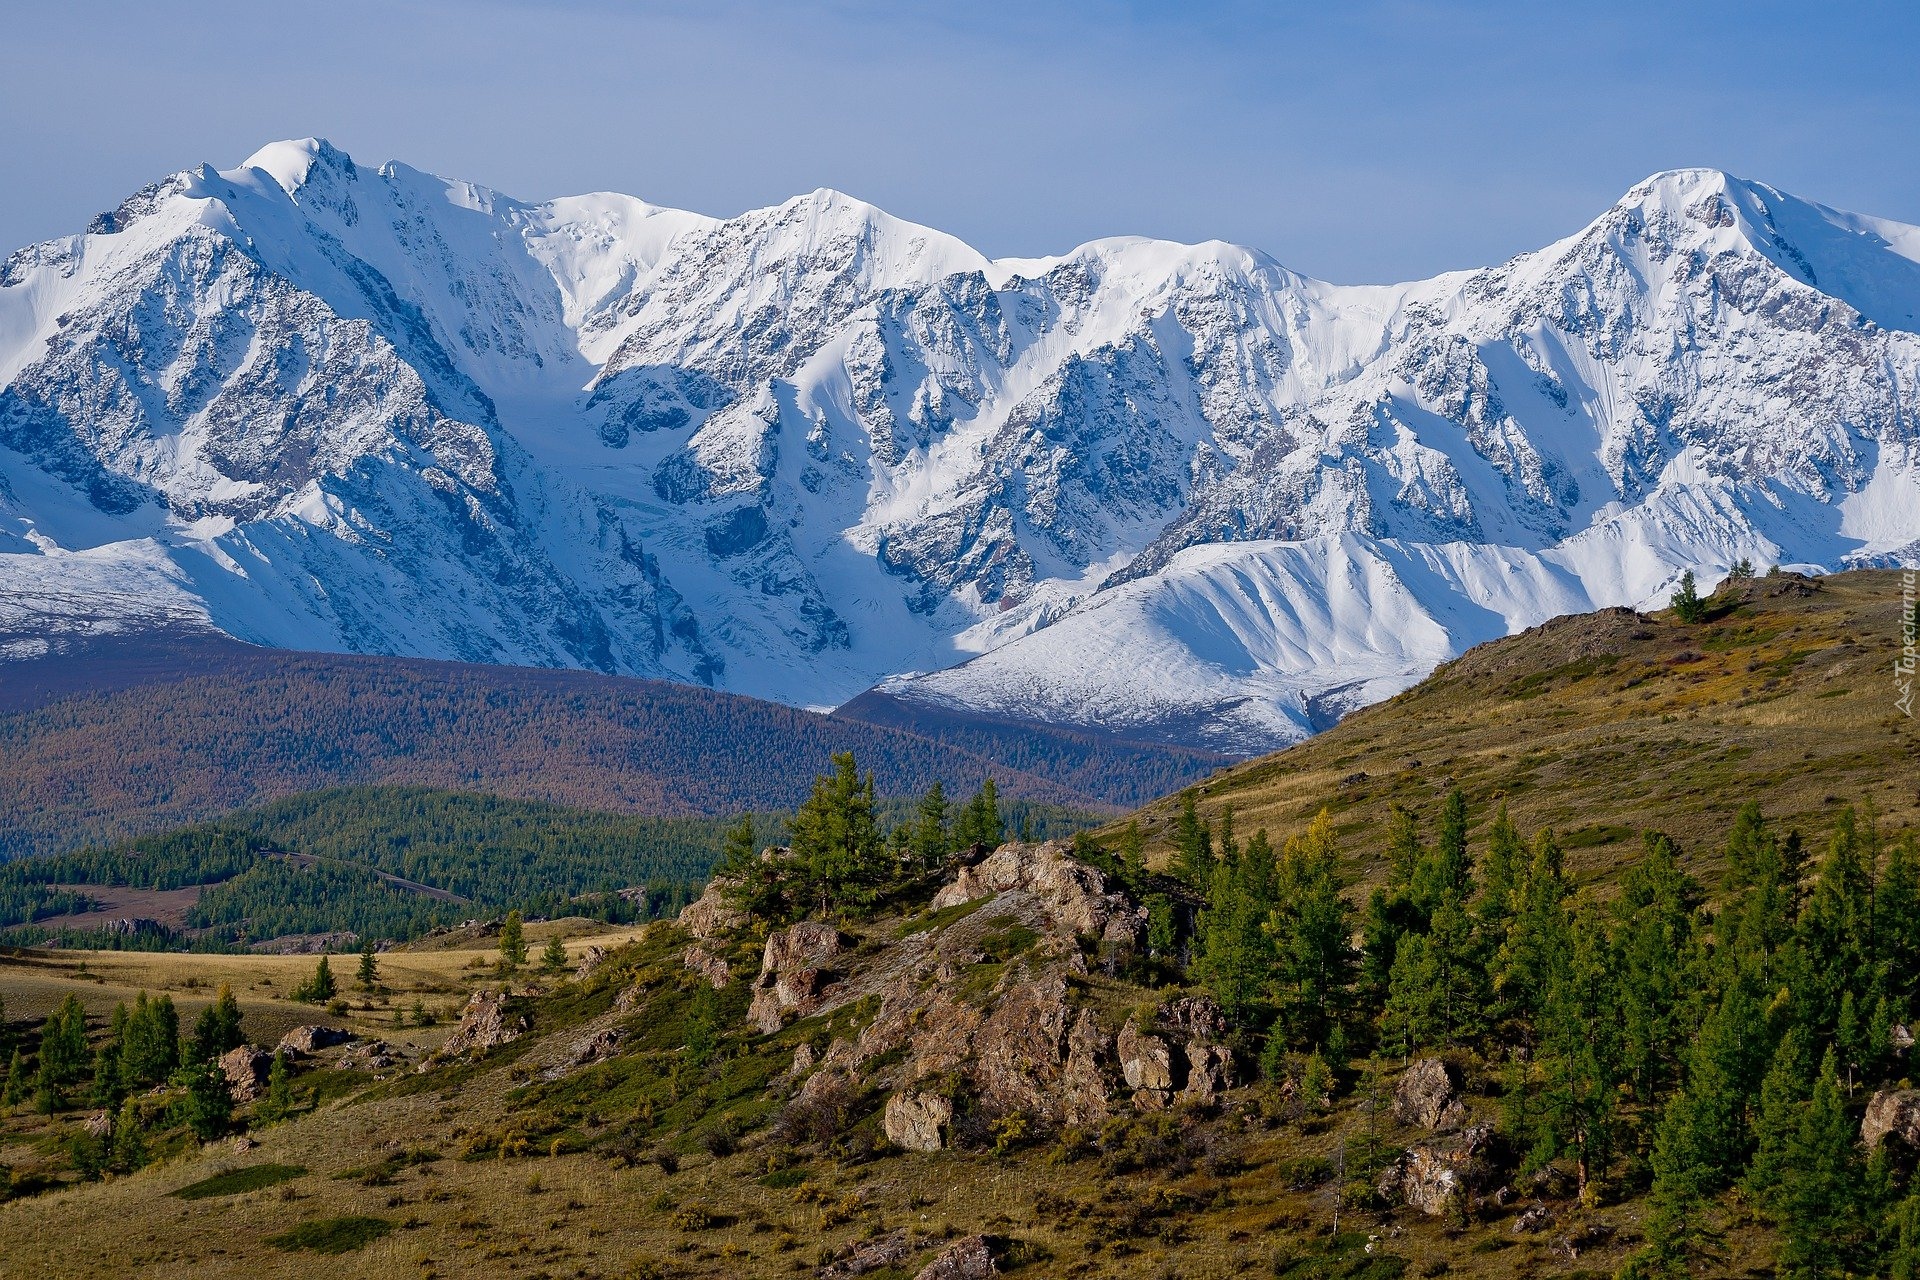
(1170, 492)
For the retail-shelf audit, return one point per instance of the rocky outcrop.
(485, 1024)
(794, 970)
(1032, 1054)
(863, 1256)
(590, 959)
(1209, 1072)
(968, 1258)
(917, 1121)
(712, 915)
(375, 1055)
(1146, 1063)
(597, 1047)
(247, 1069)
(1432, 1177)
(708, 965)
(1073, 894)
(304, 1041)
(1427, 1097)
(1892, 1113)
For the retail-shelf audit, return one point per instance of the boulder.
(311, 1039)
(862, 1256)
(802, 1061)
(968, 1258)
(1071, 892)
(246, 1069)
(793, 973)
(1433, 1176)
(1426, 1097)
(1146, 1063)
(598, 1047)
(1209, 1071)
(99, 1125)
(1198, 1016)
(485, 1024)
(708, 965)
(1893, 1112)
(1083, 1085)
(375, 1055)
(918, 1121)
(712, 914)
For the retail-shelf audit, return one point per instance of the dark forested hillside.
(128, 736)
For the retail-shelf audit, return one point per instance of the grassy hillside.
(136, 735)
(1604, 724)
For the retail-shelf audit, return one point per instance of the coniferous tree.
(218, 1028)
(978, 823)
(129, 1151)
(1538, 936)
(1500, 872)
(1653, 925)
(1776, 1123)
(18, 1085)
(513, 942)
(207, 1109)
(1133, 851)
(1309, 926)
(368, 974)
(1192, 843)
(931, 839)
(1686, 603)
(1821, 1186)
(63, 1052)
(553, 958)
(837, 846)
(1236, 953)
(150, 1046)
(1580, 1055)
(277, 1105)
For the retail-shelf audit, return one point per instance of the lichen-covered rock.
(302, 1041)
(1083, 1085)
(1198, 1016)
(1431, 1177)
(708, 965)
(918, 1121)
(794, 970)
(590, 959)
(1894, 1112)
(712, 915)
(485, 1025)
(1146, 1063)
(246, 1069)
(375, 1055)
(863, 1256)
(1426, 1097)
(98, 1125)
(968, 1258)
(1209, 1071)
(1072, 893)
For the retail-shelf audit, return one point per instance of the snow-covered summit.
(1155, 488)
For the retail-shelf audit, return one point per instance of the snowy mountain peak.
(1144, 487)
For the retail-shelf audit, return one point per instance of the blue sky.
(1355, 141)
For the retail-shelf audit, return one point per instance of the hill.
(128, 735)
(1599, 725)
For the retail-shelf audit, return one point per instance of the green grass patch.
(332, 1235)
(784, 1179)
(235, 1181)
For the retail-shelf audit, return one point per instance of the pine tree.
(1309, 926)
(1192, 844)
(763, 887)
(208, 1107)
(129, 1140)
(931, 839)
(1706, 1133)
(1686, 603)
(369, 972)
(1654, 932)
(978, 824)
(1236, 952)
(18, 1086)
(1538, 936)
(277, 1105)
(1579, 1055)
(513, 941)
(1500, 873)
(218, 1028)
(1776, 1121)
(1821, 1186)
(1133, 852)
(63, 1052)
(1443, 874)
(554, 957)
(150, 1046)
(837, 846)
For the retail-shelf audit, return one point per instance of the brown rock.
(590, 959)
(485, 1025)
(918, 1121)
(99, 1125)
(1209, 1071)
(1433, 1176)
(1083, 1086)
(712, 915)
(1895, 1112)
(802, 1060)
(1145, 1060)
(1198, 1016)
(302, 1041)
(1426, 1097)
(967, 1258)
(1071, 892)
(793, 973)
(708, 965)
(246, 1069)
(863, 1256)
(598, 1047)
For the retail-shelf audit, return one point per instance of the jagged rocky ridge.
(1156, 489)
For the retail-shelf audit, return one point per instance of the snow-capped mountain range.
(1171, 491)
